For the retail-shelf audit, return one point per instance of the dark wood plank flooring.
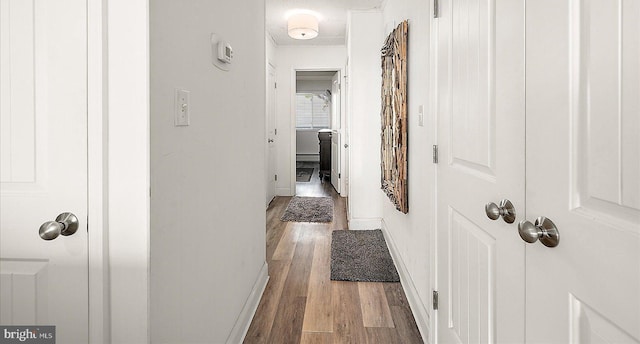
(302, 305)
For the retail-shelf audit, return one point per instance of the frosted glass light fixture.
(302, 26)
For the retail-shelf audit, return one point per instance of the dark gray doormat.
(361, 256)
(303, 174)
(309, 209)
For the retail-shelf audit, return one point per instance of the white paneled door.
(480, 87)
(270, 150)
(43, 89)
(336, 119)
(575, 105)
(583, 170)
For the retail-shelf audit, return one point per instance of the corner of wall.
(243, 322)
(418, 308)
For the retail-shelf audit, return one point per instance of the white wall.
(303, 85)
(288, 59)
(411, 233)
(307, 145)
(364, 42)
(207, 204)
(128, 169)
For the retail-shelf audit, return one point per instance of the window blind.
(312, 110)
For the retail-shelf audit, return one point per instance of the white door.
(335, 133)
(583, 170)
(43, 76)
(335, 160)
(344, 138)
(271, 134)
(480, 87)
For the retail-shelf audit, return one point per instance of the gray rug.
(303, 174)
(309, 209)
(361, 256)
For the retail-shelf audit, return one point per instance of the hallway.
(302, 305)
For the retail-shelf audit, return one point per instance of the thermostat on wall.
(225, 52)
(221, 53)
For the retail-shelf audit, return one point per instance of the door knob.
(543, 229)
(505, 209)
(346, 145)
(270, 140)
(65, 224)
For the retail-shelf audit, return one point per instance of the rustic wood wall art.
(394, 118)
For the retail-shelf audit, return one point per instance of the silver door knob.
(505, 209)
(543, 229)
(65, 224)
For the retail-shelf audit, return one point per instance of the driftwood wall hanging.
(394, 118)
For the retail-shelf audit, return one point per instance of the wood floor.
(302, 305)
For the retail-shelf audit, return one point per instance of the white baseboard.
(361, 223)
(243, 322)
(418, 308)
(283, 192)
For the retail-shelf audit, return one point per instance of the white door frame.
(118, 32)
(271, 103)
(292, 116)
(97, 116)
(434, 122)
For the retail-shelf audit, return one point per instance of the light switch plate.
(182, 108)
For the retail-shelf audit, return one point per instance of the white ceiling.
(333, 22)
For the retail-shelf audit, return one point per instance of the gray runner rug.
(361, 256)
(309, 209)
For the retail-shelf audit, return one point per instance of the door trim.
(97, 169)
(118, 205)
(118, 32)
(292, 117)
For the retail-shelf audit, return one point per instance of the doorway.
(317, 118)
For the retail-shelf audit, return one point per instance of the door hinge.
(435, 154)
(275, 176)
(435, 8)
(339, 175)
(275, 131)
(275, 85)
(435, 300)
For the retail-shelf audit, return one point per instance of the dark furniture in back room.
(324, 136)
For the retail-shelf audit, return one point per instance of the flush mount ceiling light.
(302, 25)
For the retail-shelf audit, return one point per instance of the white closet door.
(43, 77)
(583, 170)
(480, 86)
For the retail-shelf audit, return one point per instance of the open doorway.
(318, 108)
